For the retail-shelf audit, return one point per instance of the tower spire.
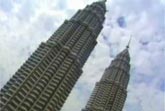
(129, 42)
(104, 0)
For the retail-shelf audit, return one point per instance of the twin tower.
(45, 80)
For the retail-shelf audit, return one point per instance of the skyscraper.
(45, 80)
(110, 93)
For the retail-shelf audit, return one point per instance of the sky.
(24, 24)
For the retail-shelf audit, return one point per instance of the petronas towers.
(45, 80)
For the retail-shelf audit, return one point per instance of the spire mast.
(103, 0)
(129, 42)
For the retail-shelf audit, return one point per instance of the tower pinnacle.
(129, 42)
(103, 0)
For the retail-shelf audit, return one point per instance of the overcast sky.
(24, 24)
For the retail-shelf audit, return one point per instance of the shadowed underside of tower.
(45, 80)
(110, 93)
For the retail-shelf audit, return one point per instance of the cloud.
(6, 5)
(138, 100)
(74, 103)
(121, 22)
(27, 10)
(25, 24)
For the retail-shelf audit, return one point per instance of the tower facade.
(45, 80)
(110, 92)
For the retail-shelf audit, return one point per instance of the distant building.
(110, 93)
(45, 80)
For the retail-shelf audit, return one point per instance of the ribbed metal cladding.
(45, 80)
(110, 93)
